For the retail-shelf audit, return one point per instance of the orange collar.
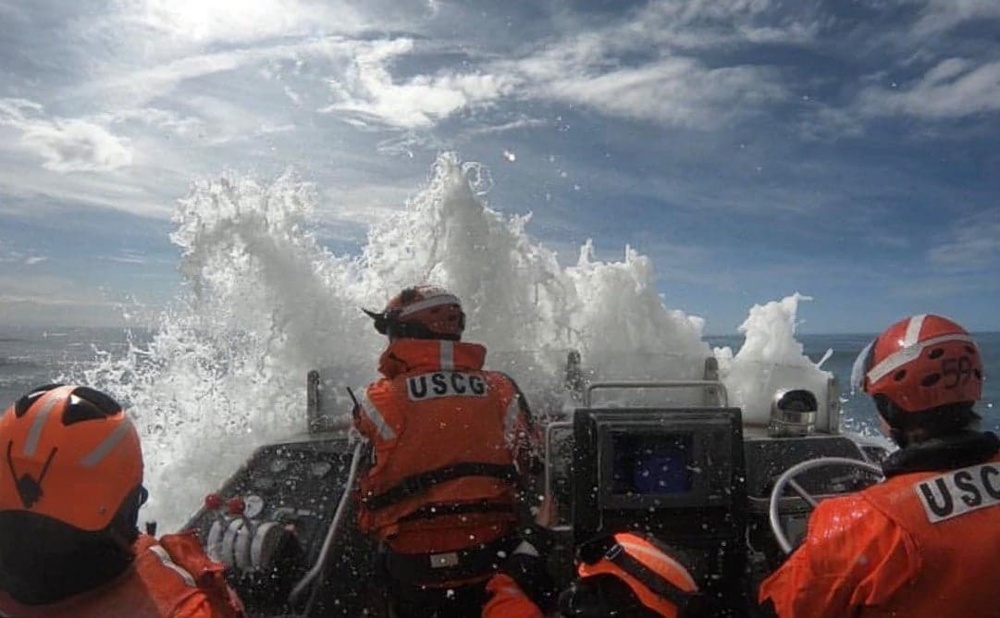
(409, 355)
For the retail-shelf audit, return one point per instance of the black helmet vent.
(87, 404)
(930, 380)
(22, 405)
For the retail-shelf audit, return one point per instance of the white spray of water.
(266, 302)
(769, 360)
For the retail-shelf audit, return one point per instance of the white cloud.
(941, 15)
(677, 91)
(586, 68)
(974, 244)
(10, 256)
(76, 146)
(66, 144)
(29, 182)
(699, 24)
(369, 90)
(952, 89)
(514, 125)
(210, 21)
(168, 120)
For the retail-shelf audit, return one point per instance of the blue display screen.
(652, 464)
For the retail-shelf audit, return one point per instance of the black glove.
(540, 538)
(529, 570)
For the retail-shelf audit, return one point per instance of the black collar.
(966, 448)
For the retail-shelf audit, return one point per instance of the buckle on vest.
(441, 561)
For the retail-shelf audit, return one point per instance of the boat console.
(693, 472)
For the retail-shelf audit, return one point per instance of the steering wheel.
(787, 479)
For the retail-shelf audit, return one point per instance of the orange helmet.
(656, 581)
(921, 362)
(71, 454)
(421, 312)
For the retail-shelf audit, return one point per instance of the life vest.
(445, 436)
(953, 519)
(170, 577)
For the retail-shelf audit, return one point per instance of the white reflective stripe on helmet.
(173, 566)
(913, 327)
(35, 433)
(385, 431)
(107, 445)
(909, 354)
(429, 303)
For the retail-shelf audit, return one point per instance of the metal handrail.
(331, 532)
(723, 393)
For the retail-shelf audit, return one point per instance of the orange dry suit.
(926, 542)
(450, 444)
(508, 600)
(169, 578)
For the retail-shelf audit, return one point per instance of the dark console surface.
(270, 520)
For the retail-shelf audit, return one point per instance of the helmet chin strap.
(29, 489)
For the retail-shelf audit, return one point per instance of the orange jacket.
(507, 600)
(448, 442)
(169, 578)
(919, 544)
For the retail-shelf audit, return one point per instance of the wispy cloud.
(712, 123)
(953, 88)
(23, 291)
(11, 256)
(972, 245)
(941, 15)
(678, 91)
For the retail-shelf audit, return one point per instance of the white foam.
(265, 302)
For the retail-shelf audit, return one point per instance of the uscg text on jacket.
(445, 384)
(960, 491)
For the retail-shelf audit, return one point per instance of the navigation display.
(651, 464)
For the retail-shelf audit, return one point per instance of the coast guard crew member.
(453, 445)
(70, 492)
(926, 542)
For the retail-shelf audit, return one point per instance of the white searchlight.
(793, 413)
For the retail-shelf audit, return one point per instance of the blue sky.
(849, 151)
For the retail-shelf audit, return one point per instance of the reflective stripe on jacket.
(446, 437)
(170, 578)
(919, 544)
